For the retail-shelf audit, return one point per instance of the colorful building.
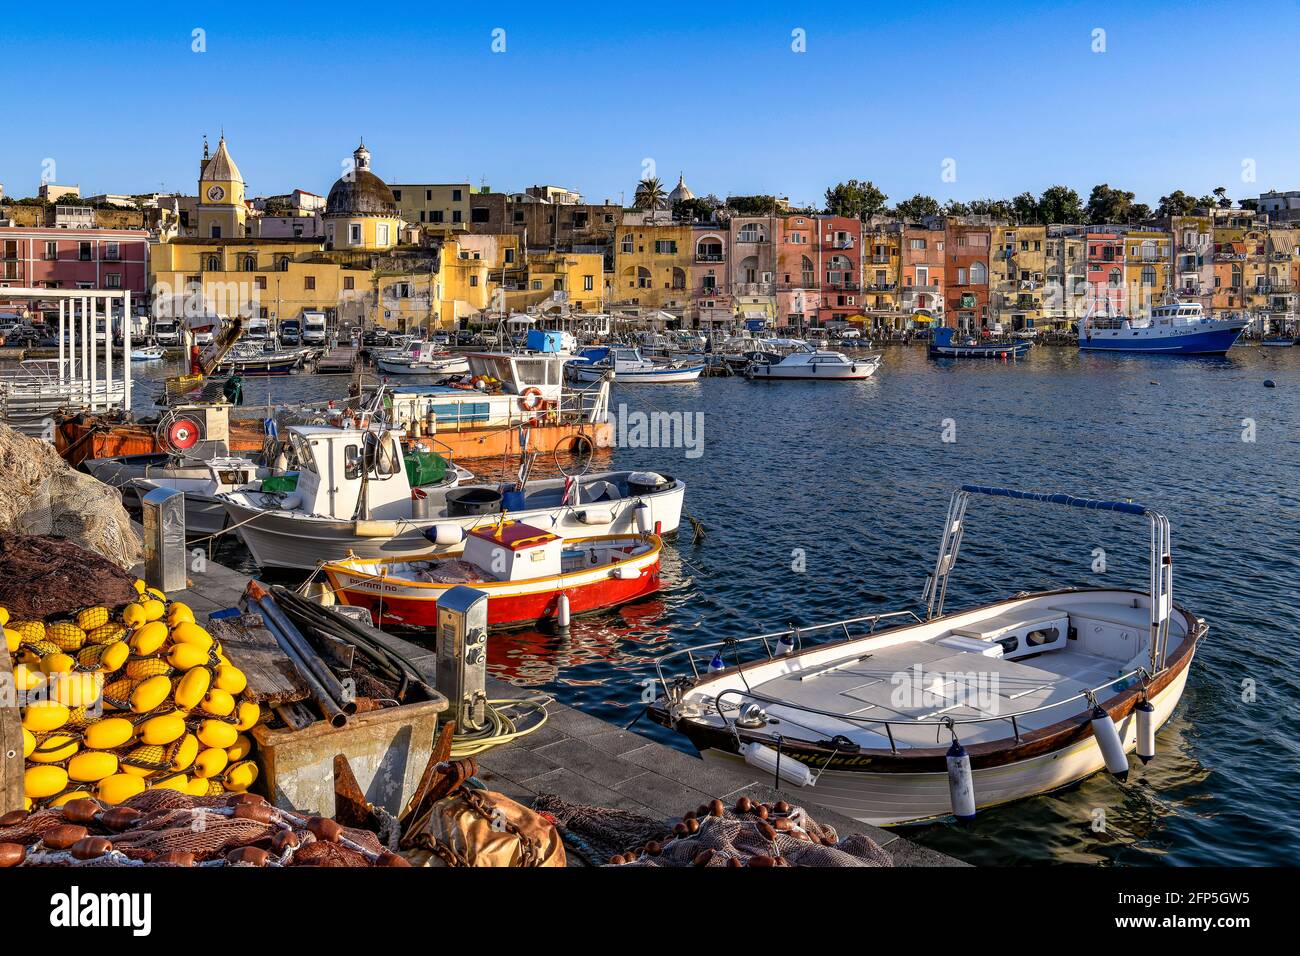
(1105, 252)
(881, 269)
(222, 211)
(966, 274)
(1065, 295)
(840, 273)
(1193, 258)
(360, 212)
(710, 279)
(1148, 272)
(652, 263)
(921, 275)
(753, 267)
(41, 258)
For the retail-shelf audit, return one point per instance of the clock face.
(216, 193)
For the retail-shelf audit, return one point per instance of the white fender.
(961, 782)
(625, 572)
(1146, 730)
(374, 529)
(448, 534)
(787, 768)
(643, 523)
(595, 516)
(1103, 728)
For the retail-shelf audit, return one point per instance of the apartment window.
(83, 251)
(260, 282)
(473, 281)
(216, 231)
(354, 234)
(112, 251)
(422, 214)
(455, 195)
(510, 256)
(309, 282)
(626, 245)
(455, 215)
(283, 264)
(113, 280)
(397, 195)
(51, 250)
(916, 243)
(588, 283)
(381, 234)
(537, 285)
(435, 216)
(214, 264)
(519, 216)
(349, 283)
(428, 195)
(479, 214)
(250, 263)
(579, 220)
(666, 247)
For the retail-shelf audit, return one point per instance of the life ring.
(183, 433)
(530, 399)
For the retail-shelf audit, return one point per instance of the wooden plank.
(11, 746)
(272, 678)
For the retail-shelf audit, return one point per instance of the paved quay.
(584, 759)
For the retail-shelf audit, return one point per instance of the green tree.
(1177, 203)
(996, 208)
(917, 208)
(954, 208)
(1221, 197)
(650, 194)
(860, 200)
(1107, 205)
(752, 205)
(1060, 204)
(1025, 207)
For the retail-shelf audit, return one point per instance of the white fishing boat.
(423, 358)
(1024, 695)
(815, 365)
(353, 499)
(147, 353)
(629, 367)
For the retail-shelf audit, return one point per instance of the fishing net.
(41, 576)
(160, 822)
(749, 834)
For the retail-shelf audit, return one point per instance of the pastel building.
(753, 267)
(966, 274)
(921, 274)
(652, 263)
(49, 258)
(798, 296)
(1105, 275)
(360, 212)
(710, 286)
(1147, 269)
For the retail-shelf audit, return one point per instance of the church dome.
(681, 192)
(361, 193)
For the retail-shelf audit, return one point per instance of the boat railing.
(887, 726)
(769, 641)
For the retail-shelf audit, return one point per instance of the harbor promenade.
(583, 759)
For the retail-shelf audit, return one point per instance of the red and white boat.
(528, 575)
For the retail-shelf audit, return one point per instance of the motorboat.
(1177, 328)
(354, 499)
(815, 365)
(423, 358)
(629, 367)
(895, 717)
(945, 343)
(251, 360)
(530, 575)
(147, 353)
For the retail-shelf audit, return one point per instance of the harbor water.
(820, 501)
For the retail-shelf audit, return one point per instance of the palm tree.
(650, 194)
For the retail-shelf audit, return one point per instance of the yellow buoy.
(92, 617)
(240, 776)
(198, 787)
(215, 788)
(29, 743)
(55, 748)
(153, 610)
(57, 663)
(27, 677)
(218, 703)
(92, 765)
(32, 631)
(78, 689)
(119, 787)
(217, 733)
(148, 638)
(114, 656)
(183, 657)
(108, 733)
(183, 752)
(13, 640)
(42, 716)
(133, 615)
(69, 796)
(150, 693)
(179, 613)
(230, 679)
(210, 762)
(241, 748)
(139, 585)
(141, 667)
(66, 635)
(189, 633)
(144, 760)
(117, 695)
(162, 729)
(192, 687)
(178, 782)
(249, 714)
(41, 782)
(106, 633)
(4, 616)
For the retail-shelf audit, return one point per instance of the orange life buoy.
(530, 399)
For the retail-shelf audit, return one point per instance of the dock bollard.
(164, 539)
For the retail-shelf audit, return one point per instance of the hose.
(501, 727)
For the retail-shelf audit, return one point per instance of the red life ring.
(183, 433)
(530, 399)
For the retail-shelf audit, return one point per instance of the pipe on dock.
(325, 687)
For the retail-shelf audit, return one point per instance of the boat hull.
(893, 799)
(854, 373)
(399, 367)
(513, 604)
(1205, 342)
(666, 377)
(281, 539)
(1013, 350)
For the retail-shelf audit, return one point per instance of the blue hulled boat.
(946, 345)
(1179, 328)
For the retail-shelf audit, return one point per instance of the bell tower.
(221, 211)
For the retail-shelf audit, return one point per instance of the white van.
(314, 331)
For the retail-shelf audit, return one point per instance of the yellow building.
(1018, 276)
(561, 280)
(1148, 269)
(652, 263)
(881, 266)
(221, 211)
(360, 211)
(442, 206)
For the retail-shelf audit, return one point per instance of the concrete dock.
(584, 759)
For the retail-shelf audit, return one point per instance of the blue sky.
(583, 94)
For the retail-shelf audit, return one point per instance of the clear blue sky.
(1013, 93)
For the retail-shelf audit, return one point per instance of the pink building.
(39, 258)
(1106, 297)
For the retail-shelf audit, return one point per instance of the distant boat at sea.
(1179, 328)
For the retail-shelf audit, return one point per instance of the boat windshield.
(302, 452)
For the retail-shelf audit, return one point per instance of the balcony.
(754, 288)
(11, 270)
(710, 257)
(842, 244)
(883, 287)
(880, 260)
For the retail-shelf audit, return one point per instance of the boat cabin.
(514, 551)
(337, 466)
